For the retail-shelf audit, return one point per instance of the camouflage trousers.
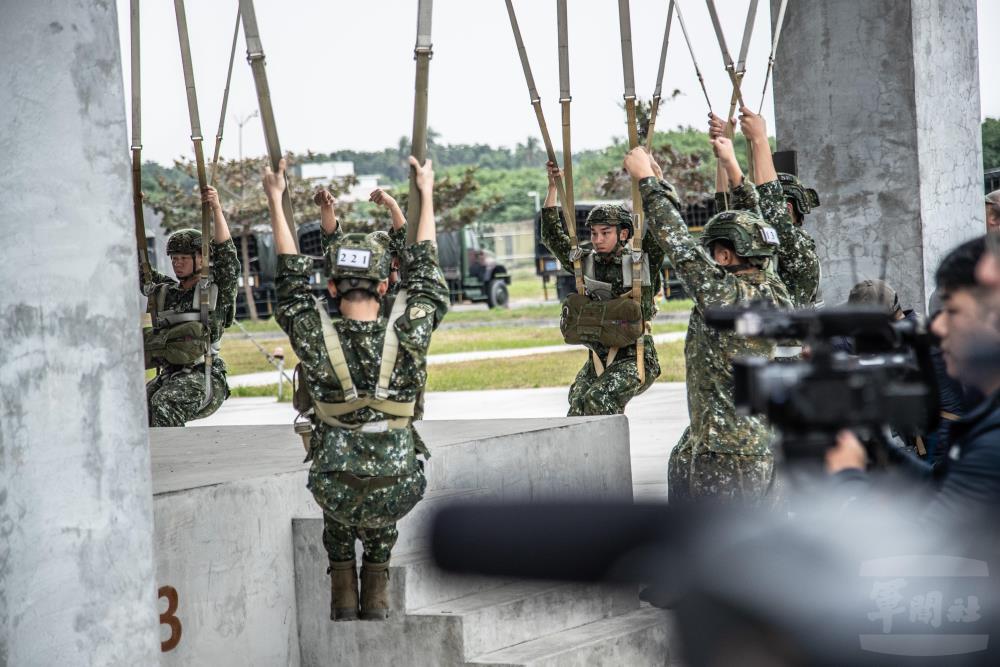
(359, 508)
(609, 393)
(174, 398)
(703, 475)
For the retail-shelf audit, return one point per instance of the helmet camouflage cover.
(184, 242)
(358, 261)
(803, 199)
(747, 231)
(614, 215)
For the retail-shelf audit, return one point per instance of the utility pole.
(245, 237)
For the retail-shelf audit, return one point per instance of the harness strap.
(393, 424)
(390, 347)
(225, 100)
(694, 59)
(394, 408)
(338, 362)
(422, 52)
(625, 27)
(565, 99)
(255, 56)
(565, 202)
(774, 49)
(599, 367)
(658, 90)
(145, 272)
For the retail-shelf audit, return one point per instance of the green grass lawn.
(541, 370)
(242, 356)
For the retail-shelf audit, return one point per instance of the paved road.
(656, 420)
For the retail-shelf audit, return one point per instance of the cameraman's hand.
(847, 454)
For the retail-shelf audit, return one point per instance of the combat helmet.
(358, 261)
(750, 235)
(614, 215)
(803, 199)
(184, 242)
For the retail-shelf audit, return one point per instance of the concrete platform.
(224, 503)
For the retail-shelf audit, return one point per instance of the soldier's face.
(606, 237)
(185, 266)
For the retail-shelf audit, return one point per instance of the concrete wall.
(225, 498)
(76, 567)
(881, 100)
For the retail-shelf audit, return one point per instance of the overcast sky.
(341, 71)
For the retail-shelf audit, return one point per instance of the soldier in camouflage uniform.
(720, 456)
(606, 388)
(393, 241)
(176, 394)
(782, 201)
(365, 473)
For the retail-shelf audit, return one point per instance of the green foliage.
(240, 192)
(991, 143)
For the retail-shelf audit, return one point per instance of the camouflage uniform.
(610, 392)
(720, 455)
(364, 481)
(174, 396)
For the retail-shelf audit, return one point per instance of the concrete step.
(415, 527)
(425, 584)
(521, 611)
(640, 637)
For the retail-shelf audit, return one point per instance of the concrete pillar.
(881, 100)
(76, 564)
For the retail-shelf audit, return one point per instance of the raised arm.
(703, 279)
(274, 185)
(798, 263)
(554, 236)
(426, 229)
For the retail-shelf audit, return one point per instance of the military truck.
(549, 268)
(472, 271)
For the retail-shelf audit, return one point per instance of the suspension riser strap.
(422, 53)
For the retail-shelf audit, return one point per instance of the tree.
(991, 143)
(455, 203)
(242, 198)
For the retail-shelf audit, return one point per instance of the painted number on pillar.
(170, 619)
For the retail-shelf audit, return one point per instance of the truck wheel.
(496, 294)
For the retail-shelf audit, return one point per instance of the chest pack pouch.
(613, 322)
(183, 344)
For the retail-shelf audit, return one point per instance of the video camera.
(889, 382)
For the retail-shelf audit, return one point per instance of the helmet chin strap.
(736, 268)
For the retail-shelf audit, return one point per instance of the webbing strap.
(569, 211)
(694, 59)
(565, 99)
(255, 56)
(422, 52)
(774, 50)
(658, 90)
(136, 147)
(625, 26)
(225, 100)
(389, 407)
(390, 347)
(206, 214)
(599, 366)
(338, 361)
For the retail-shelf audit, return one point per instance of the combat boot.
(343, 590)
(374, 591)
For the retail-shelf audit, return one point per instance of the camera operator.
(968, 481)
